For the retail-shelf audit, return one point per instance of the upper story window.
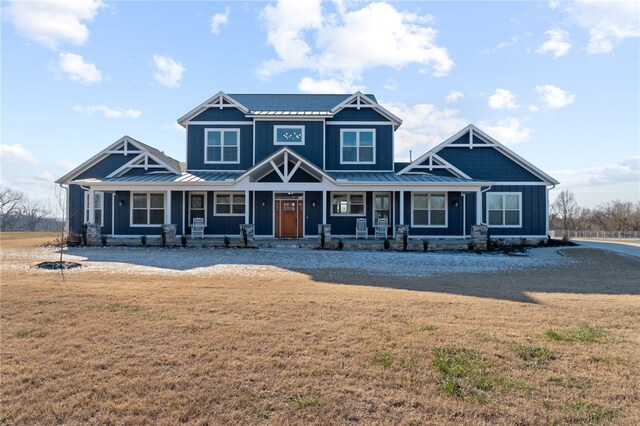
(288, 135)
(429, 210)
(147, 209)
(222, 146)
(357, 146)
(98, 202)
(504, 209)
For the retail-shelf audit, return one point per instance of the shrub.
(103, 240)
(226, 241)
(323, 238)
(425, 245)
(471, 245)
(143, 240)
(405, 240)
(386, 244)
(340, 245)
(183, 240)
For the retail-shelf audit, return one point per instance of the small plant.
(340, 244)
(534, 355)
(163, 237)
(584, 333)
(245, 237)
(385, 359)
(523, 242)
(226, 241)
(84, 235)
(425, 245)
(405, 240)
(183, 240)
(323, 237)
(471, 245)
(103, 240)
(386, 244)
(541, 243)
(143, 240)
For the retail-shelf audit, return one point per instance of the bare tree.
(10, 205)
(566, 209)
(33, 213)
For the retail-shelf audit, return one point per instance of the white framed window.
(429, 210)
(98, 202)
(288, 135)
(348, 204)
(381, 206)
(229, 204)
(198, 206)
(504, 209)
(357, 146)
(222, 146)
(147, 208)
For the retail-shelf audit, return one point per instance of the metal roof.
(365, 177)
(263, 102)
(188, 177)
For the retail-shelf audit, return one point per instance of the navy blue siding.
(224, 114)
(355, 114)
(534, 210)
(76, 209)
(122, 218)
(311, 150)
(487, 164)
(106, 213)
(454, 217)
(177, 210)
(346, 225)
(195, 148)
(105, 166)
(471, 211)
(464, 140)
(264, 215)
(384, 148)
(312, 215)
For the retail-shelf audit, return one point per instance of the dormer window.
(222, 146)
(288, 135)
(357, 146)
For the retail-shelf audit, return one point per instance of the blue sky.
(558, 82)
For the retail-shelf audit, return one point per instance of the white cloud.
(557, 43)
(621, 172)
(534, 108)
(219, 20)
(168, 72)
(79, 70)
(423, 127)
(512, 41)
(107, 111)
(51, 22)
(454, 96)
(553, 4)
(608, 22)
(311, 85)
(502, 99)
(391, 84)
(554, 97)
(66, 165)
(17, 153)
(348, 42)
(509, 131)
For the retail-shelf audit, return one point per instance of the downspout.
(547, 200)
(480, 199)
(113, 214)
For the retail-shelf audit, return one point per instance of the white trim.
(184, 217)
(464, 214)
(430, 157)
(88, 207)
(188, 215)
(222, 131)
(479, 207)
(324, 147)
(324, 206)
(496, 183)
(359, 123)
(148, 208)
(215, 170)
(247, 205)
(113, 213)
(429, 209)
(285, 150)
(359, 170)
(283, 117)
(210, 103)
(519, 194)
(357, 146)
(278, 127)
(253, 131)
(220, 123)
(167, 210)
(349, 194)
(231, 195)
(366, 102)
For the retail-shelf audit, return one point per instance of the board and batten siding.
(384, 148)
(454, 216)
(196, 143)
(534, 210)
(313, 137)
(264, 214)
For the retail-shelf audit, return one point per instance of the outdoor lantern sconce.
(264, 203)
(455, 203)
(313, 203)
(121, 203)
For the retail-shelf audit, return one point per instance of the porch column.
(401, 221)
(246, 206)
(324, 207)
(167, 210)
(478, 207)
(183, 214)
(92, 206)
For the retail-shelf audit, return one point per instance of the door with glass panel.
(381, 207)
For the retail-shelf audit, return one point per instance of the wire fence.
(596, 234)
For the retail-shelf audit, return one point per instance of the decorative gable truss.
(359, 100)
(219, 100)
(285, 163)
(430, 162)
(146, 161)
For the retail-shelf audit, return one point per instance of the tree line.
(21, 213)
(567, 215)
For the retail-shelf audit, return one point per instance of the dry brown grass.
(125, 349)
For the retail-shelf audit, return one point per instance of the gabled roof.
(219, 100)
(283, 156)
(121, 147)
(488, 142)
(433, 162)
(360, 100)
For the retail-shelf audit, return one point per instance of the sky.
(557, 82)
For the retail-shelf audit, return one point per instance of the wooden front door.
(289, 218)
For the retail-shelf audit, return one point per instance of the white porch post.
(92, 206)
(401, 221)
(167, 210)
(324, 207)
(478, 207)
(246, 206)
(183, 214)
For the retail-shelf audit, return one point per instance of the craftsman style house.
(287, 163)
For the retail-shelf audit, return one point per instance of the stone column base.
(249, 230)
(479, 236)
(327, 234)
(400, 231)
(94, 234)
(169, 233)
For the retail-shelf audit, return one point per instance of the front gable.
(285, 166)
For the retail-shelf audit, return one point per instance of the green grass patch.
(302, 402)
(384, 359)
(32, 332)
(570, 382)
(591, 413)
(534, 355)
(119, 307)
(583, 333)
(464, 373)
